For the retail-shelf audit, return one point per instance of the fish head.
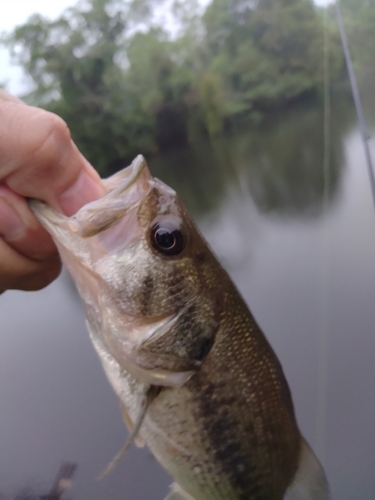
(146, 276)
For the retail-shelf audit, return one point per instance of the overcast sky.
(15, 12)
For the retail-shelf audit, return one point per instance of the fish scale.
(196, 377)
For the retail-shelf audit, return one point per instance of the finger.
(5, 96)
(38, 159)
(19, 272)
(20, 228)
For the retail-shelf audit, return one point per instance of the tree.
(125, 84)
(77, 66)
(266, 51)
(359, 19)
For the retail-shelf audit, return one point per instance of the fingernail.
(11, 225)
(84, 190)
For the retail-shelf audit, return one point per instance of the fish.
(197, 380)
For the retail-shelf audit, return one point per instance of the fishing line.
(357, 99)
(322, 381)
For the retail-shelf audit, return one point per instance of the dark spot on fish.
(146, 294)
(200, 258)
(205, 348)
(176, 286)
(221, 431)
(154, 392)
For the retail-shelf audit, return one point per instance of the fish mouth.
(125, 190)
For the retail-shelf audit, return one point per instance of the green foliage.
(266, 51)
(280, 162)
(125, 85)
(359, 18)
(72, 62)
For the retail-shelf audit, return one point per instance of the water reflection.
(280, 163)
(56, 404)
(283, 161)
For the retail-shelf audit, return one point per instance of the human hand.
(39, 160)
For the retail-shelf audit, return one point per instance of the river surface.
(298, 240)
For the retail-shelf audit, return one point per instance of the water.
(305, 266)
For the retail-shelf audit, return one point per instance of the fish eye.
(167, 238)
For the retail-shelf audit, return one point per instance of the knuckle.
(40, 160)
(54, 133)
(43, 275)
(58, 127)
(20, 272)
(51, 134)
(52, 270)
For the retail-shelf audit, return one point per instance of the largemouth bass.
(196, 378)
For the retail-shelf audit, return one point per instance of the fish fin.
(139, 441)
(177, 493)
(310, 482)
(146, 400)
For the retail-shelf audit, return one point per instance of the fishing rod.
(323, 333)
(357, 99)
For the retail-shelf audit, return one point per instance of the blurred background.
(244, 107)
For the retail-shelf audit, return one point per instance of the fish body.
(188, 362)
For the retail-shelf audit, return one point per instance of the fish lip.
(45, 213)
(126, 178)
(135, 169)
